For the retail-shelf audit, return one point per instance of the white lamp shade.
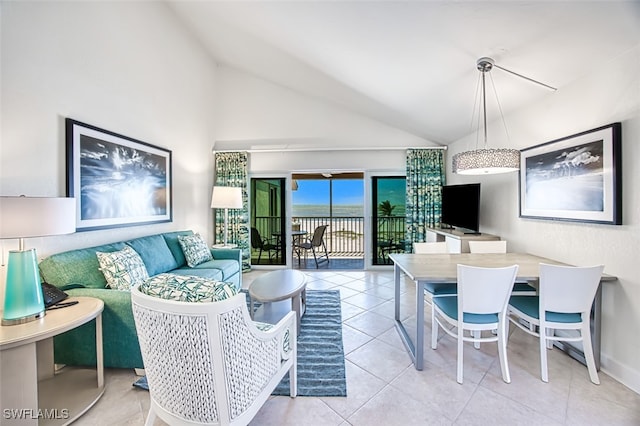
(25, 217)
(226, 197)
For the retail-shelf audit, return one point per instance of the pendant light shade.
(486, 161)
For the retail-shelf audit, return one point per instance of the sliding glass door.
(388, 195)
(267, 221)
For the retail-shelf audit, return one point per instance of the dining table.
(434, 268)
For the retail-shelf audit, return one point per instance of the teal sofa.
(77, 273)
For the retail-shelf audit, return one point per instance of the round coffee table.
(280, 292)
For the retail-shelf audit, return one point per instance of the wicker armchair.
(208, 363)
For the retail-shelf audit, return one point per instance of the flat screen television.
(461, 207)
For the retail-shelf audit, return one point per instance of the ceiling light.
(489, 160)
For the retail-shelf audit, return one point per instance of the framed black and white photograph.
(117, 181)
(576, 178)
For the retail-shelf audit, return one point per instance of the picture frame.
(118, 181)
(575, 178)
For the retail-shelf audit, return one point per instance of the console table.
(31, 391)
(457, 241)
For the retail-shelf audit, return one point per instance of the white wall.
(609, 93)
(128, 67)
(255, 113)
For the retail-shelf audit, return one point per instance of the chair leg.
(503, 333)
(151, 418)
(434, 328)
(460, 353)
(585, 332)
(476, 335)
(259, 256)
(544, 374)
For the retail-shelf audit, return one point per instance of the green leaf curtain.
(231, 170)
(425, 178)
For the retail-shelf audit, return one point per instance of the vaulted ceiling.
(412, 65)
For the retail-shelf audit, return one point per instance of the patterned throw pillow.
(122, 269)
(183, 288)
(195, 249)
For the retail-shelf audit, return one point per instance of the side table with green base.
(31, 391)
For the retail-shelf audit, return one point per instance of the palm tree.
(385, 208)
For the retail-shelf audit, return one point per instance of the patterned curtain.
(425, 178)
(231, 170)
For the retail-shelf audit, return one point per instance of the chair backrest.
(484, 290)
(192, 353)
(430, 247)
(568, 289)
(499, 246)
(318, 235)
(256, 240)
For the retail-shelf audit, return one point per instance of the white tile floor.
(384, 388)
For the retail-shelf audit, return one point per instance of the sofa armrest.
(225, 253)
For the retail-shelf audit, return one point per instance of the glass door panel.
(267, 221)
(388, 197)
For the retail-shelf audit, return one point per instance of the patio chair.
(257, 243)
(207, 363)
(314, 244)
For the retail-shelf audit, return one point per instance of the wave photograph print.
(118, 181)
(576, 178)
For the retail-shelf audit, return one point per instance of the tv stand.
(457, 241)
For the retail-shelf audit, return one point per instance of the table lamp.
(226, 197)
(27, 217)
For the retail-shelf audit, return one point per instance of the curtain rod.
(376, 148)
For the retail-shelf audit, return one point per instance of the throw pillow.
(183, 288)
(195, 249)
(122, 269)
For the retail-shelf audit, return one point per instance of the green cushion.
(449, 305)
(529, 305)
(187, 289)
(155, 254)
(171, 239)
(122, 269)
(228, 267)
(439, 289)
(76, 267)
(195, 249)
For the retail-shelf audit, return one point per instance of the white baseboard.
(625, 375)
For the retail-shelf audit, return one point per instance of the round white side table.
(31, 391)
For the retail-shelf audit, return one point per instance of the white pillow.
(195, 249)
(122, 269)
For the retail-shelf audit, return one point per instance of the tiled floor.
(384, 389)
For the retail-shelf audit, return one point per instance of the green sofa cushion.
(155, 254)
(56, 269)
(171, 239)
(227, 266)
(195, 249)
(123, 269)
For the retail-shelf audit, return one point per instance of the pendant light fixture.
(488, 160)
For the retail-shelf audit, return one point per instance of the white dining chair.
(481, 304)
(435, 289)
(520, 288)
(566, 294)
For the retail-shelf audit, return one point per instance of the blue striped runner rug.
(321, 370)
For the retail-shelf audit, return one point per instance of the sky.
(345, 192)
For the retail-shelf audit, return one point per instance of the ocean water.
(339, 210)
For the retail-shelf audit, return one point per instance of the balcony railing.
(344, 236)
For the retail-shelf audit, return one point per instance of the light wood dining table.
(425, 268)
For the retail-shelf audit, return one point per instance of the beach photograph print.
(118, 181)
(566, 179)
(575, 178)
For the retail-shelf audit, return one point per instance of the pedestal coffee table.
(280, 292)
